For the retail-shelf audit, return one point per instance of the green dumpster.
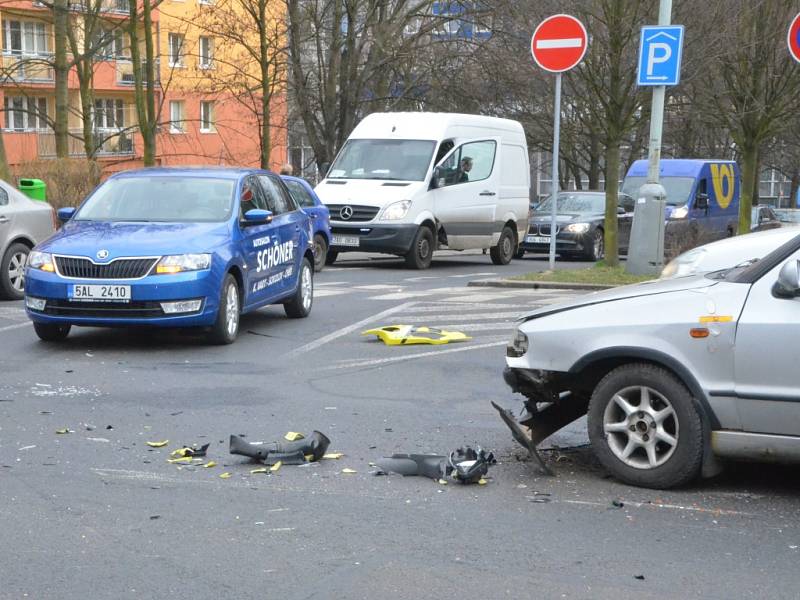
(34, 188)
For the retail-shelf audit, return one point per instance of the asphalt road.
(96, 513)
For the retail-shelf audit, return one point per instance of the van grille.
(121, 268)
(360, 213)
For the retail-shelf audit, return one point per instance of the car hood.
(86, 238)
(647, 288)
(542, 217)
(366, 192)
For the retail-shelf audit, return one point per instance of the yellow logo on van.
(724, 183)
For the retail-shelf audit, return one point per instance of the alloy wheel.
(306, 287)
(16, 270)
(232, 309)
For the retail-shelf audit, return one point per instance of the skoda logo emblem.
(102, 254)
(346, 213)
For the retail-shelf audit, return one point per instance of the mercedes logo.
(102, 254)
(346, 213)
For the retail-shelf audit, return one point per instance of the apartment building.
(200, 121)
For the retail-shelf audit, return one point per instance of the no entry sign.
(559, 43)
(794, 38)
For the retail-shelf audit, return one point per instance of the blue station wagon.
(171, 247)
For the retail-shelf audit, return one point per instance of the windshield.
(678, 188)
(575, 203)
(160, 199)
(403, 160)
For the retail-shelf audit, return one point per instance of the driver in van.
(466, 167)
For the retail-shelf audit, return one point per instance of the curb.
(539, 285)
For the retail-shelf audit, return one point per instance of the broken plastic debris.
(349, 471)
(260, 470)
(183, 460)
(286, 452)
(209, 464)
(639, 577)
(63, 430)
(334, 455)
(293, 436)
(274, 468)
(482, 481)
(466, 465)
(157, 444)
(404, 335)
(443, 481)
(225, 475)
(617, 504)
(192, 450)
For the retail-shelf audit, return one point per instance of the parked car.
(173, 248)
(319, 214)
(23, 224)
(580, 218)
(673, 374)
(763, 217)
(729, 252)
(412, 183)
(788, 215)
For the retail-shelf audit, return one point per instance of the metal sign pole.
(555, 185)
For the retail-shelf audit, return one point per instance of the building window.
(206, 52)
(206, 2)
(109, 44)
(177, 121)
(176, 49)
(109, 113)
(25, 114)
(207, 117)
(26, 37)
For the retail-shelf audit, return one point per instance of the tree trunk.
(594, 162)
(795, 185)
(149, 157)
(612, 192)
(5, 172)
(266, 85)
(61, 68)
(749, 158)
(142, 76)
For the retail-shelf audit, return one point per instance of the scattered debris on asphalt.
(333, 455)
(225, 475)
(64, 430)
(157, 444)
(639, 577)
(406, 335)
(192, 451)
(348, 471)
(209, 464)
(309, 449)
(293, 436)
(466, 465)
(616, 503)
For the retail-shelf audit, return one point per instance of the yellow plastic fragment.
(180, 452)
(443, 482)
(309, 457)
(403, 335)
(260, 470)
(333, 455)
(482, 481)
(158, 444)
(349, 471)
(275, 467)
(293, 436)
(209, 464)
(184, 460)
(225, 475)
(63, 431)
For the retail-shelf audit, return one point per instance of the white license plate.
(345, 240)
(537, 239)
(106, 293)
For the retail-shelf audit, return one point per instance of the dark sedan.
(580, 225)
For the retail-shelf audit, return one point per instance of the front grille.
(121, 268)
(130, 310)
(544, 229)
(360, 213)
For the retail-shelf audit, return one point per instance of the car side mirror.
(788, 284)
(701, 201)
(257, 216)
(65, 214)
(621, 210)
(438, 178)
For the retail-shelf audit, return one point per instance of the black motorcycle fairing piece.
(519, 435)
(270, 453)
(469, 465)
(426, 465)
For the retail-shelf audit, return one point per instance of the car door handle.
(3, 219)
(487, 193)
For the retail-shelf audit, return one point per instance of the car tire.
(320, 252)
(330, 257)
(51, 332)
(12, 272)
(420, 255)
(226, 327)
(299, 306)
(597, 246)
(645, 427)
(520, 253)
(505, 249)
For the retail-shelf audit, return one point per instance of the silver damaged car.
(673, 374)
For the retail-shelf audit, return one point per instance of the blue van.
(701, 194)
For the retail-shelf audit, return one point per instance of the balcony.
(124, 69)
(110, 142)
(106, 6)
(28, 68)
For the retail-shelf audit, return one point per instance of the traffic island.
(599, 277)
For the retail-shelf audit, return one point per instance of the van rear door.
(466, 197)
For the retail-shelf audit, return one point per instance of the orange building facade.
(201, 122)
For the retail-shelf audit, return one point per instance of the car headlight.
(396, 210)
(679, 213)
(178, 263)
(577, 228)
(683, 265)
(518, 345)
(42, 261)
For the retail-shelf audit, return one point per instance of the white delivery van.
(412, 183)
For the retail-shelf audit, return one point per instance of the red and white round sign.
(794, 38)
(559, 43)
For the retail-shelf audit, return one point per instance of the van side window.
(702, 187)
(473, 161)
(444, 148)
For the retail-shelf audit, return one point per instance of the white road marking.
(505, 316)
(713, 511)
(464, 307)
(17, 326)
(471, 275)
(318, 293)
(357, 363)
(347, 330)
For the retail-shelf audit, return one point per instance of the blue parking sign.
(660, 52)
